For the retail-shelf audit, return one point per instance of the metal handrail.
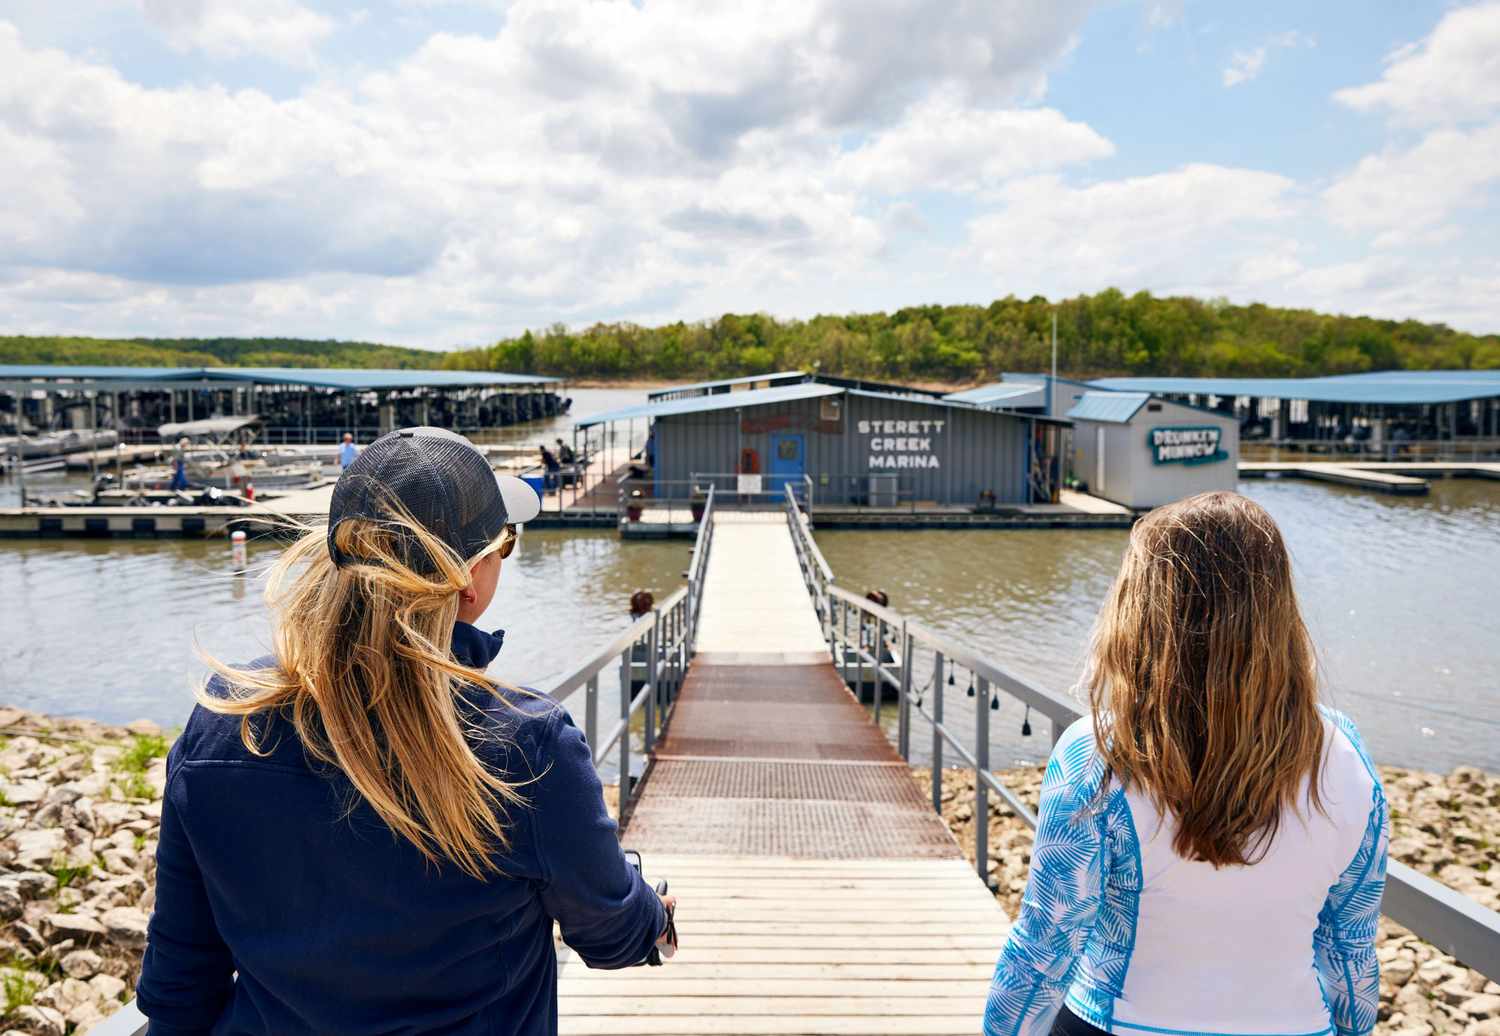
(1454, 923)
(668, 635)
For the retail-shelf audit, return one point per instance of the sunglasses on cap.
(508, 540)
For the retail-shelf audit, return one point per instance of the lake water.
(1402, 594)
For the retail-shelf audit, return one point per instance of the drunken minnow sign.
(1198, 445)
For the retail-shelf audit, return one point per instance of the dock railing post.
(651, 703)
(878, 681)
(625, 733)
(903, 736)
(591, 712)
(981, 789)
(937, 733)
(859, 651)
(843, 656)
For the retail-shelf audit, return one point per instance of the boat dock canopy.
(208, 426)
(705, 388)
(1397, 388)
(717, 401)
(357, 380)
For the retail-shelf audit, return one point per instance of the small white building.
(1141, 451)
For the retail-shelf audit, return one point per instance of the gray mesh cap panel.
(437, 476)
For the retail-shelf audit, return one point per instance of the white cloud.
(1245, 65)
(1403, 193)
(943, 145)
(1451, 76)
(280, 29)
(1190, 226)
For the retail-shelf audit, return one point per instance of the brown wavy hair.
(366, 676)
(1203, 680)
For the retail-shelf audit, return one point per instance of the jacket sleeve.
(187, 975)
(1062, 899)
(607, 913)
(1344, 943)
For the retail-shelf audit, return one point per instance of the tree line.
(1109, 333)
(211, 352)
(1098, 335)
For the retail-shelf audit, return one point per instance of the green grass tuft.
(19, 988)
(143, 748)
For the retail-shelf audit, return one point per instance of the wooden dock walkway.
(819, 893)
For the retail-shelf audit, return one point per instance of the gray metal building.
(858, 447)
(1141, 451)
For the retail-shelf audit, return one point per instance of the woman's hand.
(670, 902)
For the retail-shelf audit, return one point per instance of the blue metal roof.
(1003, 394)
(368, 379)
(1110, 407)
(363, 379)
(717, 401)
(748, 379)
(30, 371)
(1390, 387)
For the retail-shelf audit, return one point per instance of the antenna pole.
(1052, 385)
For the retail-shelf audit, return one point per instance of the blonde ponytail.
(366, 676)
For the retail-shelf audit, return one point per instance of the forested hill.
(1103, 334)
(212, 352)
(1098, 335)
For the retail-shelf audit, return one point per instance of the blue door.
(788, 460)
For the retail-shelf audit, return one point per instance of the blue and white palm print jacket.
(1136, 940)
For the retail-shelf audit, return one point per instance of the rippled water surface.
(1402, 596)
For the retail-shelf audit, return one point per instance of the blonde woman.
(1211, 850)
(365, 834)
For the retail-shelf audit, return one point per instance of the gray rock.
(81, 928)
(126, 927)
(38, 1021)
(1398, 970)
(1485, 1005)
(82, 964)
(143, 727)
(108, 987)
(12, 905)
(28, 936)
(26, 793)
(35, 884)
(34, 850)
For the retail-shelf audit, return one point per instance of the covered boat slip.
(296, 405)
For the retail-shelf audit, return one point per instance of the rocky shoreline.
(1447, 827)
(80, 809)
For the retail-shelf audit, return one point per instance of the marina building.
(1141, 451)
(850, 445)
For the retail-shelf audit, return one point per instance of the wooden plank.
(984, 955)
(826, 941)
(765, 990)
(969, 1007)
(830, 1025)
(684, 968)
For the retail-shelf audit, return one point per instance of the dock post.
(843, 656)
(877, 680)
(651, 685)
(859, 652)
(625, 734)
(937, 734)
(828, 629)
(982, 790)
(591, 712)
(903, 736)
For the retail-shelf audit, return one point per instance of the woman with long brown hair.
(363, 833)
(1211, 847)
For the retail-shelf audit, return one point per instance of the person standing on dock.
(364, 833)
(347, 452)
(179, 464)
(1211, 845)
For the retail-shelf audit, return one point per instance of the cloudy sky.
(442, 172)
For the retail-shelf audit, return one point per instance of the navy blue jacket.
(281, 913)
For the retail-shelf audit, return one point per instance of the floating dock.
(1400, 477)
(819, 892)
